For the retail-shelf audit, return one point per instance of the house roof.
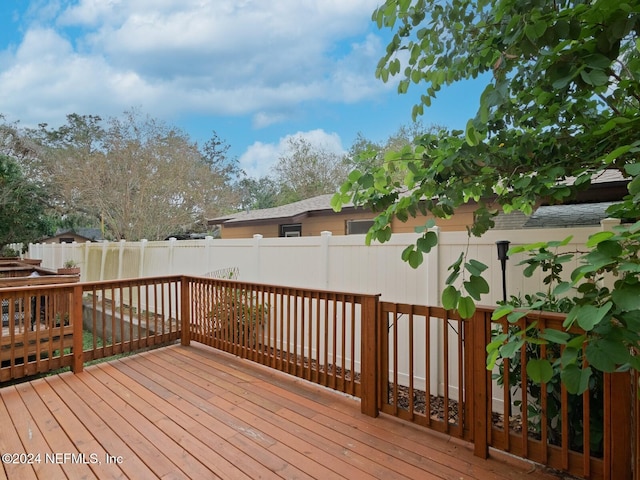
(92, 234)
(607, 186)
(292, 212)
(555, 216)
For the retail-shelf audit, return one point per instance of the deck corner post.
(369, 371)
(78, 345)
(618, 412)
(185, 310)
(481, 326)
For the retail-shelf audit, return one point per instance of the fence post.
(78, 344)
(257, 246)
(185, 310)
(120, 258)
(480, 338)
(143, 244)
(369, 363)
(103, 258)
(325, 236)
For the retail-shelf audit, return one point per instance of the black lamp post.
(503, 248)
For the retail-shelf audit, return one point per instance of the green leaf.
(415, 258)
(450, 296)
(577, 342)
(509, 349)
(596, 238)
(575, 379)
(561, 288)
(336, 203)
(472, 136)
(569, 356)
(501, 312)
(627, 297)
(513, 317)
(466, 307)
(555, 336)
(475, 267)
(589, 316)
(354, 175)
(476, 286)
(539, 370)
(610, 248)
(427, 242)
(605, 355)
(632, 169)
(492, 357)
(616, 153)
(496, 342)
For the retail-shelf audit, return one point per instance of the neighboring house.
(588, 209)
(79, 235)
(312, 216)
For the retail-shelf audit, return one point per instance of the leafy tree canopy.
(23, 206)
(138, 176)
(307, 170)
(560, 107)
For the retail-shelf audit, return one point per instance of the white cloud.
(216, 57)
(260, 158)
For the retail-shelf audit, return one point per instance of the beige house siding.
(249, 231)
(336, 223)
(457, 223)
(311, 226)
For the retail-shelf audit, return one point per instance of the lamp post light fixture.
(503, 248)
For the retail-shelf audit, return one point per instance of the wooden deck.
(193, 412)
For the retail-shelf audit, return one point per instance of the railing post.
(619, 416)
(480, 339)
(78, 344)
(185, 312)
(369, 361)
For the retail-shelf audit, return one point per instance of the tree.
(562, 101)
(259, 193)
(23, 206)
(365, 153)
(309, 170)
(141, 177)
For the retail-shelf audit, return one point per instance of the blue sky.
(255, 71)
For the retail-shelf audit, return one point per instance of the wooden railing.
(125, 316)
(424, 367)
(433, 373)
(311, 334)
(50, 327)
(36, 330)
(421, 364)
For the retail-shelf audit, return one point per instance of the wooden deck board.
(193, 412)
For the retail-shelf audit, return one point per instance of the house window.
(291, 230)
(66, 239)
(355, 227)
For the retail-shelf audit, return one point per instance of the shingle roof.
(555, 216)
(93, 234)
(558, 216)
(291, 211)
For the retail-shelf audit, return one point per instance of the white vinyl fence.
(340, 263)
(327, 262)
